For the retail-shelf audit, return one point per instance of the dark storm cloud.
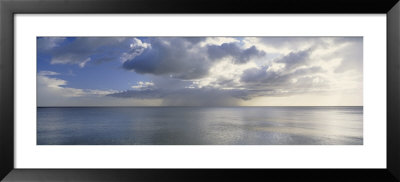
(295, 59)
(260, 75)
(233, 50)
(172, 57)
(194, 40)
(180, 58)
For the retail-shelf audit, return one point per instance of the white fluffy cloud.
(55, 91)
(143, 85)
(55, 86)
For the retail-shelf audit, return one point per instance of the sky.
(199, 71)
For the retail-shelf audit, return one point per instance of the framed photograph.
(154, 91)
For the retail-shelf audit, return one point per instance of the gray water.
(200, 126)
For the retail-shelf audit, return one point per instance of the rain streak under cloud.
(199, 71)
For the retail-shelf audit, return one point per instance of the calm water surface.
(200, 126)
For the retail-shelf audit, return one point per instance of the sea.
(200, 125)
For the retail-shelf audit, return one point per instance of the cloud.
(175, 57)
(83, 63)
(54, 91)
(308, 69)
(140, 94)
(195, 40)
(218, 41)
(136, 48)
(284, 45)
(185, 58)
(306, 79)
(47, 43)
(297, 76)
(200, 97)
(185, 97)
(351, 54)
(55, 86)
(180, 57)
(232, 50)
(81, 50)
(294, 59)
(217, 71)
(47, 73)
(48, 86)
(223, 75)
(143, 85)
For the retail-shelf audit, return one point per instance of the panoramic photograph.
(199, 90)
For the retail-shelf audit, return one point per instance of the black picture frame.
(9, 8)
